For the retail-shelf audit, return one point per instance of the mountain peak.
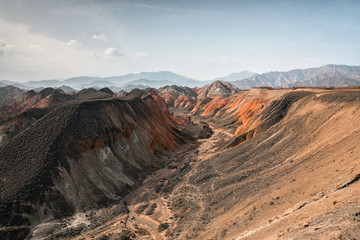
(217, 88)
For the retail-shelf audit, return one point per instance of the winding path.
(146, 194)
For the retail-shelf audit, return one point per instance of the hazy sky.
(43, 39)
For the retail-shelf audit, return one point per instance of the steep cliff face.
(164, 107)
(79, 156)
(241, 111)
(249, 113)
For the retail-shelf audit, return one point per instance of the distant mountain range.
(328, 75)
(236, 76)
(4, 83)
(153, 79)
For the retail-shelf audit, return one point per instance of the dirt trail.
(150, 213)
(208, 146)
(139, 202)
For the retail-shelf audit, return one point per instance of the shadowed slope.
(80, 156)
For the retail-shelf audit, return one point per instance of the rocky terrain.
(178, 97)
(232, 164)
(216, 88)
(66, 143)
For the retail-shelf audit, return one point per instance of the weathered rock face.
(78, 156)
(243, 111)
(164, 107)
(188, 99)
(178, 97)
(215, 91)
(216, 88)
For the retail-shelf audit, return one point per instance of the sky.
(58, 39)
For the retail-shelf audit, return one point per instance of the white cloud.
(73, 43)
(25, 61)
(57, 59)
(140, 55)
(113, 52)
(35, 48)
(109, 55)
(94, 55)
(101, 37)
(4, 47)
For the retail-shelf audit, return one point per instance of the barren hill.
(31, 99)
(9, 94)
(78, 156)
(217, 88)
(178, 97)
(280, 164)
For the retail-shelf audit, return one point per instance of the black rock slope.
(79, 156)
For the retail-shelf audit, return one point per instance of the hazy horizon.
(42, 40)
(213, 79)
